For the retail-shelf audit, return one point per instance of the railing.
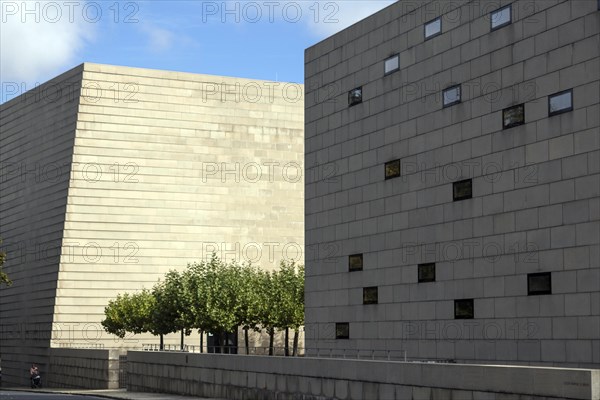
(253, 350)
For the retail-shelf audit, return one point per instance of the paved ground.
(62, 394)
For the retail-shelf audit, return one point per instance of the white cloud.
(40, 39)
(332, 17)
(159, 39)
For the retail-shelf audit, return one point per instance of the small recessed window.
(501, 17)
(539, 283)
(598, 5)
(463, 309)
(392, 169)
(370, 295)
(392, 64)
(342, 330)
(462, 190)
(433, 28)
(560, 102)
(451, 95)
(513, 116)
(355, 96)
(355, 262)
(427, 272)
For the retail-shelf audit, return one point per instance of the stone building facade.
(112, 176)
(453, 184)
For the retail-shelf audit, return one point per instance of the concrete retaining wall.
(243, 377)
(83, 368)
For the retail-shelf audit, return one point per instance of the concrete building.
(112, 176)
(452, 191)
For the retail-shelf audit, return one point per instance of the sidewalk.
(120, 394)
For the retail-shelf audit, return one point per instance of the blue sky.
(251, 39)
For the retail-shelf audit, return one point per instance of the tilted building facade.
(452, 192)
(112, 176)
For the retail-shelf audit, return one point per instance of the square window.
(561, 102)
(513, 116)
(355, 96)
(433, 28)
(501, 17)
(355, 262)
(427, 272)
(539, 283)
(392, 169)
(391, 64)
(462, 190)
(464, 309)
(370, 295)
(342, 330)
(451, 95)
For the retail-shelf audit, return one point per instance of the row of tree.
(215, 297)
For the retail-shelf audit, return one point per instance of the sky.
(249, 39)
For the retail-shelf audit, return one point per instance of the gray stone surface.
(535, 186)
(320, 378)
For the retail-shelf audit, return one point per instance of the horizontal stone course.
(318, 378)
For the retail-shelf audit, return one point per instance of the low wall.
(83, 368)
(255, 377)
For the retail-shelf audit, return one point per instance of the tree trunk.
(286, 346)
(222, 342)
(201, 341)
(271, 339)
(162, 342)
(246, 340)
(181, 345)
(296, 334)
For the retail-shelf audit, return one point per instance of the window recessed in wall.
(463, 309)
(561, 102)
(433, 28)
(501, 17)
(370, 295)
(392, 169)
(426, 272)
(513, 116)
(355, 262)
(355, 96)
(462, 190)
(391, 64)
(451, 95)
(539, 283)
(342, 330)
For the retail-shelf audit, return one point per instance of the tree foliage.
(217, 297)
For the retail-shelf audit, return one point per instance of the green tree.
(290, 298)
(248, 299)
(3, 277)
(221, 285)
(165, 312)
(173, 292)
(194, 299)
(129, 313)
(270, 306)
